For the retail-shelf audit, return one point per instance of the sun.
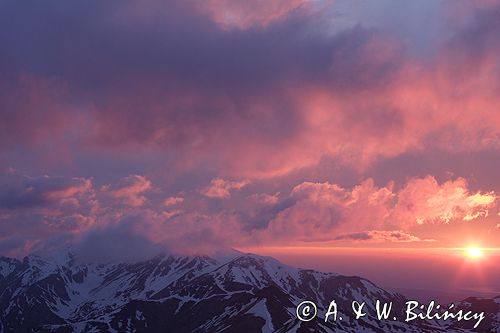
(473, 252)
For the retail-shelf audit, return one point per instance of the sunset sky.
(192, 126)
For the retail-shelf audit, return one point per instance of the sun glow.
(473, 252)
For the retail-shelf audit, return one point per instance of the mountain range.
(172, 293)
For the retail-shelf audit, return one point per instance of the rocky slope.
(239, 293)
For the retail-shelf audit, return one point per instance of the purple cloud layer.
(228, 122)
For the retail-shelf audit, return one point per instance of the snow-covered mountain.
(235, 293)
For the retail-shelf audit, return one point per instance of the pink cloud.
(269, 199)
(172, 201)
(424, 201)
(47, 207)
(220, 188)
(36, 209)
(245, 14)
(130, 190)
(323, 211)
(265, 91)
(356, 96)
(380, 236)
(80, 185)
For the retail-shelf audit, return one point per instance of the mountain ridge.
(241, 292)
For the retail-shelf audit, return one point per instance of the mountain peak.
(59, 293)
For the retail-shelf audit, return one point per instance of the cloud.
(245, 14)
(379, 236)
(130, 190)
(35, 209)
(322, 211)
(425, 201)
(21, 191)
(46, 211)
(284, 89)
(172, 201)
(220, 188)
(116, 243)
(14, 246)
(32, 109)
(269, 199)
(296, 99)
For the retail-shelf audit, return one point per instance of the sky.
(128, 128)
